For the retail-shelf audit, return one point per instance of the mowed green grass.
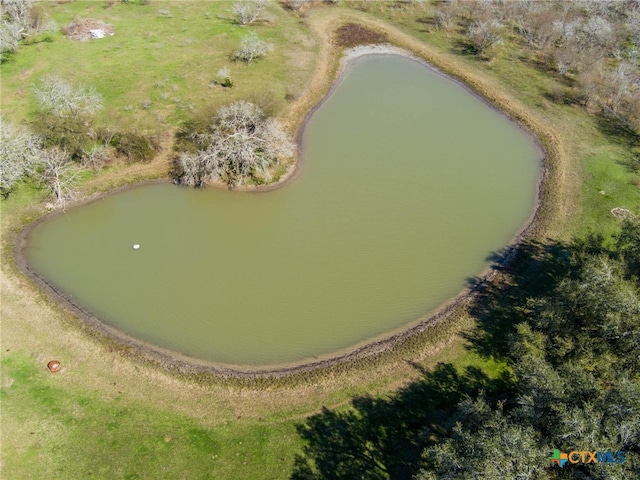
(168, 60)
(54, 432)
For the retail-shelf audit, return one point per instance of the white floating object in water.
(136, 246)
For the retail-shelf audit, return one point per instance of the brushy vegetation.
(591, 46)
(240, 144)
(352, 34)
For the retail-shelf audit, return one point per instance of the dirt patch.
(353, 34)
(85, 29)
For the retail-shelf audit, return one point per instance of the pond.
(409, 182)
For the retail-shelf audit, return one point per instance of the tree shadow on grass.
(380, 438)
(623, 137)
(383, 438)
(499, 307)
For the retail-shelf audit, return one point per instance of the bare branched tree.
(17, 11)
(10, 35)
(18, 21)
(252, 47)
(19, 153)
(56, 95)
(248, 11)
(58, 173)
(14, 23)
(484, 34)
(241, 143)
(96, 157)
(445, 18)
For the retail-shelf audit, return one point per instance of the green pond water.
(408, 183)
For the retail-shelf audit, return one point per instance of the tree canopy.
(240, 144)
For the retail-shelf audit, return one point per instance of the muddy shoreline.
(175, 362)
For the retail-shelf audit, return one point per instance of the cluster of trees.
(568, 325)
(238, 145)
(20, 19)
(593, 45)
(59, 136)
(61, 142)
(23, 155)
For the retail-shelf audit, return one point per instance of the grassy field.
(169, 60)
(107, 416)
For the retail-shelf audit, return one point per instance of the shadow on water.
(384, 437)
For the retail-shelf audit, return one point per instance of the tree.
(296, 5)
(241, 143)
(248, 11)
(58, 173)
(484, 34)
(484, 443)
(56, 95)
(18, 11)
(252, 47)
(19, 152)
(19, 19)
(15, 21)
(10, 35)
(223, 78)
(72, 134)
(628, 245)
(615, 91)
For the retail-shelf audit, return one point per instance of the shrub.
(135, 146)
(71, 134)
(223, 78)
(240, 143)
(252, 47)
